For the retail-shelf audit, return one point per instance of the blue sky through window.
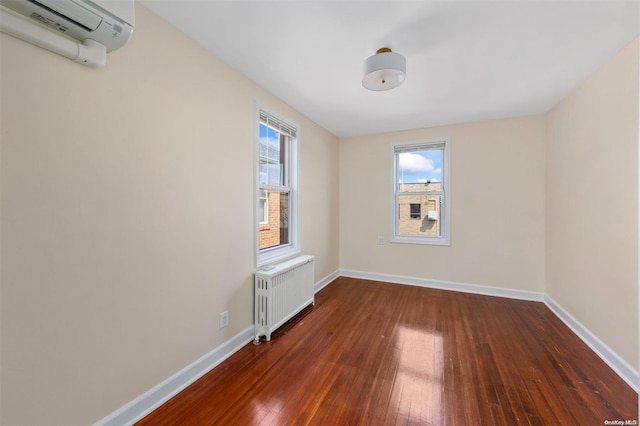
(269, 137)
(271, 170)
(420, 166)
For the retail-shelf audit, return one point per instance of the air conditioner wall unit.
(82, 30)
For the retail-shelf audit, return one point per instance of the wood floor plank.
(372, 353)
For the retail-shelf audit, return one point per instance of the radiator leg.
(257, 341)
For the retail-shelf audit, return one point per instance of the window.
(421, 193)
(276, 200)
(414, 211)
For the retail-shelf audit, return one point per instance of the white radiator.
(281, 293)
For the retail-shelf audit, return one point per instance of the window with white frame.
(421, 193)
(277, 198)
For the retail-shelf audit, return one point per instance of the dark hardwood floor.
(388, 354)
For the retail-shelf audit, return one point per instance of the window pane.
(419, 171)
(276, 231)
(419, 215)
(272, 157)
(414, 210)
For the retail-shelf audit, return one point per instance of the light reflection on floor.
(416, 394)
(265, 412)
(417, 389)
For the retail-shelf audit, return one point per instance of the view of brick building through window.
(274, 196)
(274, 230)
(419, 214)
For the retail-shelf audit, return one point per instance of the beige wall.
(127, 218)
(117, 249)
(546, 203)
(497, 212)
(592, 204)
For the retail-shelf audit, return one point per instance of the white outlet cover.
(224, 319)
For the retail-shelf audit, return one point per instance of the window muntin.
(276, 205)
(420, 192)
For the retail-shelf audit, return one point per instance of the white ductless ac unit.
(81, 30)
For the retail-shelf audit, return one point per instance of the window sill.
(430, 241)
(276, 255)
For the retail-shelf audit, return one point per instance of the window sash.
(408, 214)
(283, 233)
(405, 149)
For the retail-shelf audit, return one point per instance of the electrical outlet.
(380, 240)
(224, 319)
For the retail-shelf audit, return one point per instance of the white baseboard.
(158, 395)
(613, 360)
(155, 397)
(325, 281)
(152, 399)
(447, 285)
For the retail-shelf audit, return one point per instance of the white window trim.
(285, 251)
(445, 239)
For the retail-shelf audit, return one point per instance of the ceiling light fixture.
(385, 70)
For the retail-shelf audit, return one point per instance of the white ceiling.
(466, 60)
